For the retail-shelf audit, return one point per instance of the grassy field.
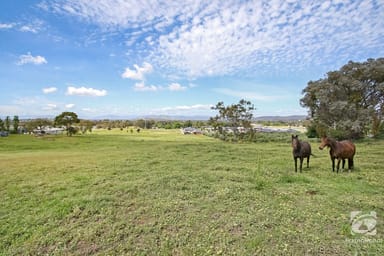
(163, 193)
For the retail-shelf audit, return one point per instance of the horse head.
(324, 142)
(295, 142)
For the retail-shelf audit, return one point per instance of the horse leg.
(301, 163)
(350, 163)
(338, 165)
(333, 164)
(295, 160)
(343, 163)
(308, 161)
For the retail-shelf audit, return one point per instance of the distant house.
(268, 129)
(22, 130)
(190, 130)
(4, 134)
(49, 131)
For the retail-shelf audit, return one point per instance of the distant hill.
(153, 117)
(205, 118)
(281, 118)
(181, 118)
(177, 117)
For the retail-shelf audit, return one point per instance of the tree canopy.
(16, 122)
(2, 127)
(233, 116)
(67, 119)
(349, 102)
(37, 123)
(7, 123)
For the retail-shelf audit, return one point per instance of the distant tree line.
(74, 125)
(148, 124)
(8, 123)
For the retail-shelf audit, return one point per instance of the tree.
(7, 123)
(67, 119)
(188, 123)
(233, 116)
(144, 123)
(38, 123)
(348, 102)
(16, 122)
(86, 125)
(1, 125)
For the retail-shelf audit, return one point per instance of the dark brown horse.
(301, 150)
(339, 150)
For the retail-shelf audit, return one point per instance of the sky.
(124, 58)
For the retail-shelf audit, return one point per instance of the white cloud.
(197, 109)
(139, 72)
(83, 91)
(28, 58)
(50, 106)
(49, 90)
(71, 105)
(188, 108)
(176, 87)
(27, 28)
(145, 88)
(141, 86)
(250, 95)
(33, 26)
(200, 38)
(25, 101)
(6, 25)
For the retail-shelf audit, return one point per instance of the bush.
(72, 130)
(343, 134)
(252, 136)
(311, 132)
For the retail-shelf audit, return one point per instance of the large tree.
(348, 102)
(233, 116)
(67, 119)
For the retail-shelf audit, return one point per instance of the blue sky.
(135, 58)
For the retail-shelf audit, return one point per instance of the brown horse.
(339, 150)
(300, 149)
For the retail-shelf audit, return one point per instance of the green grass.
(163, 193)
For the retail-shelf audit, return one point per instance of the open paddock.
(159, 192)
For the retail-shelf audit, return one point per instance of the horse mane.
(332, 142)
